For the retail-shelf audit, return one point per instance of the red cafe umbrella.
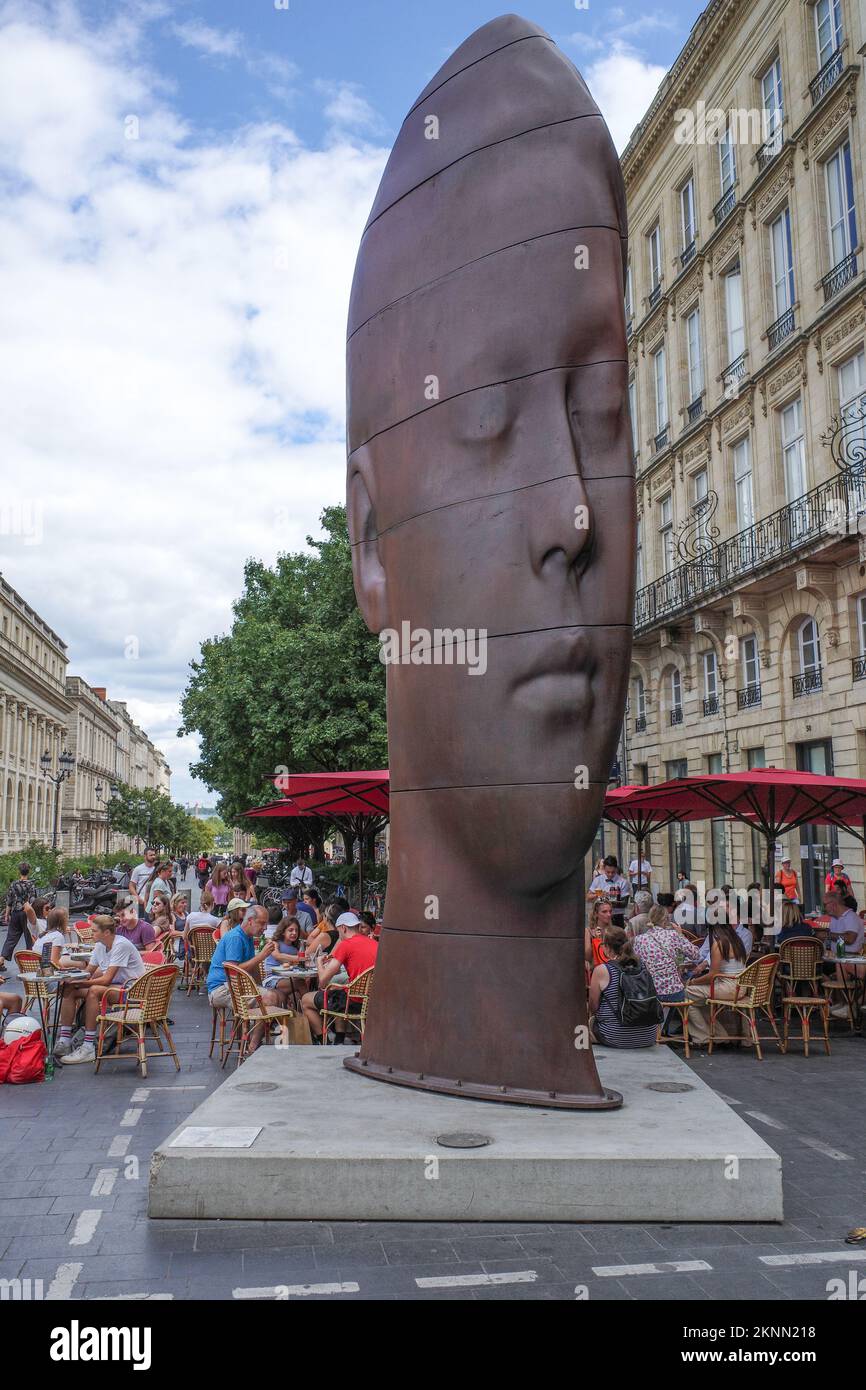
(771, 800)
(638, 820)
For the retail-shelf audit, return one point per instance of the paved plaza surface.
(76, 1151)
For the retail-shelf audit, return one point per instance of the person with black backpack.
(623, 1004)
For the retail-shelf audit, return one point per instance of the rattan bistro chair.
(799, 959)
(682, 1008)
(200, 947)
(35, 991)
(354, 1012)
(248, 1009)
(753, 995)
(145, 1006)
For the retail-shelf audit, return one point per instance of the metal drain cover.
(668, 1086)
(463, 1139)
(257, 1086)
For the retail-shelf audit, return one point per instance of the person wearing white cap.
(837, 880)
(354, 951)
(787, 880)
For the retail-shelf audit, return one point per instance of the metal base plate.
(548, 1100)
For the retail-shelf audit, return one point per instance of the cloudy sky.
(182, 189)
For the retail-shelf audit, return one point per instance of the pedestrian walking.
(19, 915)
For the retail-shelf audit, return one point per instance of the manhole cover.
(463, 1139)
(668, 1086)
(257, 1086)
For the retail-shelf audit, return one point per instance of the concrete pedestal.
(293, 1135)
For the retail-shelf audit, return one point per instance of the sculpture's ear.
(367, 570)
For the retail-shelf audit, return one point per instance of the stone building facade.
(746, 308)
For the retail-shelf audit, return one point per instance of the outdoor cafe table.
(56, 983)
(853, 982)
(294, 973)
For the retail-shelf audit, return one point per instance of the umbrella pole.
(639, 839)
(361, 826)
(771, 841)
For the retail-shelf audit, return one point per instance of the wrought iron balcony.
(655, 295)
(780, 330)
(858, 668)
(677, 714)
(770, 148)
(696, 409)
(735, 371)
(749, 696)
(828, 511)
(826, 76)
(640, 724)
(725, 206)
(711, 705)
(688, 254)
(807, 682)
(661, 440)
(839, 276)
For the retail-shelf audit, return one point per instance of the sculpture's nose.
(561, 530)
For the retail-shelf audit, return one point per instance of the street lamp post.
(113, 794)
(66, 766)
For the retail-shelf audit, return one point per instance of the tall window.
(809, 647)
(742, 459)
(661, 390)
(687, 211)
(861, 623)
(751, 669)
(629, 295)
(793, 449)
(676, 690)
(851, 380)
(632, 411)
(639, 572)
(639, 702)
(666, 533)
(771, 98)
(727, 160)
(828, 27)
(700, 490)
(842, 217)
(783, 263)
(717, 829)
(711, 676)
(655, 256)
(693, 352)
(734, 314)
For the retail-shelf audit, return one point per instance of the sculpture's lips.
(563, 655)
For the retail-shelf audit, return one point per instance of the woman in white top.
(727, 961)
(56, 939)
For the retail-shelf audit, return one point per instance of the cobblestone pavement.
(76, 1152)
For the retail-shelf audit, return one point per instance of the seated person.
(664, 949)
(114, 964)
(688, 912)
(275, 917)
(368, 923)
(325, 936)
(844, 922)
(639, 920)
(292, 908)
(727, 960)
(600, 918)
(793, 923)
(610, 880)
(205, 917)
(356, 953)
(131, 927)
(604, 996)
(286, 941)
(56, 939)
(238, 948)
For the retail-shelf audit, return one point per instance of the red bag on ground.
(23, 1060)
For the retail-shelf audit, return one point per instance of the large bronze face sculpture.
(491, 494)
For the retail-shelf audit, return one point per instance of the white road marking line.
(119, 1145)
(469, 1281)
(819, 1257)
(825, 1149)
(175, 1088)
(663, 1267)
(729, 1100)
(104, 1182)
(85, 1227)
(63, 1283)
(138, 1097)
(765, 1119)
(130, 1118)
(282, 1291)
(132, 1298)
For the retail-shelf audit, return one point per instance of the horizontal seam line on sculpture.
(560, 627)
(490, 786)
(530, 130)
(476, 260)
(474, 64)
(506, 381)
(491, 497)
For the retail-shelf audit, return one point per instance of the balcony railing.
(688, 254)
(661, 440)
(640, 724)
(858, 668)
(824, 79)
(725, 206)
(735, 371)
(696, 409)
(839, 276)
(807, 682)
(770, 148)
(780, 330)
(749, 696)
(655, 295)
(711, 705)
(828, 511)
(677, 714)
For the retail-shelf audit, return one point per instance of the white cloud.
(172, 323)
(623, 84)
(347, 109)
(217, 43)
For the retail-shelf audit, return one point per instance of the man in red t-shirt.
(354, 952)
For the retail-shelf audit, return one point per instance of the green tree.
(297, 682)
